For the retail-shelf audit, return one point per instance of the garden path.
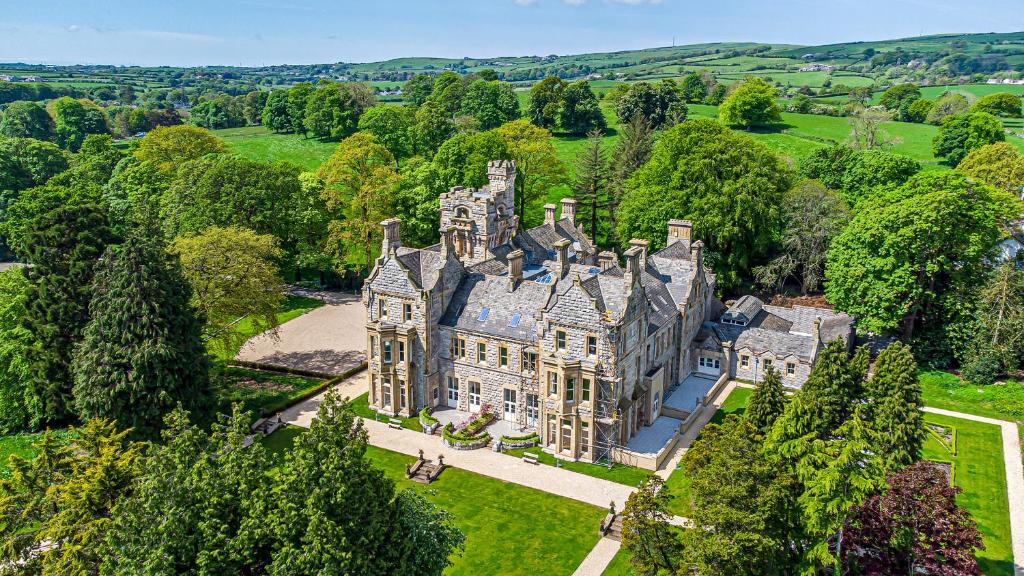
(599, 558)
(1014, 478)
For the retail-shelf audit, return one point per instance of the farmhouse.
(556, 338)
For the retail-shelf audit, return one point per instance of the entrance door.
(709, 365)
(510, 405)
(532, 410)
(474, 396)
(453, 392)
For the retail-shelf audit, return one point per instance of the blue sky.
(257, 32)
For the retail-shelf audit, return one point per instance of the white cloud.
(73, 28)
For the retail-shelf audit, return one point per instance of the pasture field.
(258, 143)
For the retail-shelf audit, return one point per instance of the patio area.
(686, 397)
(654, 438)
(496, 429)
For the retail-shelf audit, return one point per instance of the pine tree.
(141, 353)
(829, 389)
(636, 141)
(591, 181)
(895, 395)
(767, 402)
(653, 545)
(64, 246)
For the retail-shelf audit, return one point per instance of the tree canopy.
(752, 103)
(171, 146)
(959, 134)
(1000, 104)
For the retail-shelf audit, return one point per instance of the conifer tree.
(64, 246)
(141, 353)
(767, 402)
(636, 141)
(591, 182)
(828, 389)
(895, 395)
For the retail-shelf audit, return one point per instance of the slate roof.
(745, 309)
(479, 291)
(785, 331)
(539, 241)
(422, 265)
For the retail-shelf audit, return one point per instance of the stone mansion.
(556, 337)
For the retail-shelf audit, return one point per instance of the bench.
(394, 423)
(530, 457)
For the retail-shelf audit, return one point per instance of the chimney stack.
(569, 210)
(697, 254)
(549, 213)
(515, 269)
(679, 231)
(642, 245)
(392, 235)
(607, 259)
(448, 242)
(632, 273)
(562, 257)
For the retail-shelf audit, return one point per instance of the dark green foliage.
(20, 405)
(199, 506)
(962, 133)
(417, 89)
(981, 367)
(858, 174)
(767, 402)
(894, 394)
(392, 127)
(580, 111)
(648, 101)
(416, 203)
(275, 113)
(727, 183)
(491, 103)
(546, 102)
(918, 111)
(63, 248)
(653, 545)
(432, 126)
(743, 524)
(333, 110)
(693, 88)
(141, 352)
(831, 390)
(220, 111)
(899, 98)
(336, 514)
(999, 104)
(24, 163)
(27, 120)
(590, 187)
(632, 150)
(297, 97)
(462, 159)
(74, 120)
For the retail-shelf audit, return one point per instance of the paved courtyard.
(330, 339)
(690, 392)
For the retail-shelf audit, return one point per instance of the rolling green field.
(510, 529)
(258, 143)
(971, 91)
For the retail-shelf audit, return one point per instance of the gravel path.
(330, 339)
(599, 558)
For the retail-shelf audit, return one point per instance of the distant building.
(817, 68)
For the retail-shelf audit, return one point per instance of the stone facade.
(537, 326)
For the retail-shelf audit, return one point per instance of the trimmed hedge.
(426, 419)
(461, 441)
(526, 441)
(285, 403)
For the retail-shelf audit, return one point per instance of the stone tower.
(483, 219)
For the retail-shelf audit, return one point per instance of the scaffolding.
(608, 418)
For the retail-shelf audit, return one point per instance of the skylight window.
(515, 320)
(483, 314)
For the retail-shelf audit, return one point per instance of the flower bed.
(428, 422)
(469, 435)
(526, 441)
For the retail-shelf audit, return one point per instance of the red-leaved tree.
(914, 527)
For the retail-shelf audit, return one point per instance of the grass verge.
(620, 473)
(293, 307)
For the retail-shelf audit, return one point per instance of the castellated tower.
(484, 219)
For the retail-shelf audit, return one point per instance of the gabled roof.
(538, 242)
(422, 265)
(479, 291)
(785, 331)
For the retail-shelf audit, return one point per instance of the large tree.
(169, 147)
(417, 89)
(858, 174)
(359, 181)
(334, 513)
(728, 184)
(21, 407)
(233, 273)
(590, 186)
(141, 353)
(24, 119)
(914, 527)
(1001, 104)
(76, 119)
(946, 105)
(491, 103)
(333, 110)
(392, 127)
(811, 216)
(416, 203)
(1000, 165)
(65, 245)
(538, 168)
(275, 112)
(752, 103)
(959, 134)
(899, 98)
(652, 103)
(767, 402)
(894, 394)
(653, 546)
(546, 102)
(432, 127)
(632, 150)
(298, 95)
(909, 254)
(997, 344)
(580, 112)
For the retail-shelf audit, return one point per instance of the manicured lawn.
(265, 392)
(361, 406)
(509, 529)
(628, 475)
(1000, 401)
(735, 403)
(980, 472)
(258, 143)
(619, 566)
(293, 307)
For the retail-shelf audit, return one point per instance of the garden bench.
(530, 457)
(394, 423)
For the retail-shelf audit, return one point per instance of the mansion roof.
(795, 331)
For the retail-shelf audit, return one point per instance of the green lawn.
(258, 143)
(361, 406)
(1000, 401)
(265, 393)
(619, 566)
(21, 445)
(622, 474)
(980, 472)
(293, 307)
(510, 529)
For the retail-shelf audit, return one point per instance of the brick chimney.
(562, 257)
(642, 245)
(549, 213)
(569, 210)
(607, 259)
(392, 235)
(697, 254)
(515, 269)
(679, 231)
